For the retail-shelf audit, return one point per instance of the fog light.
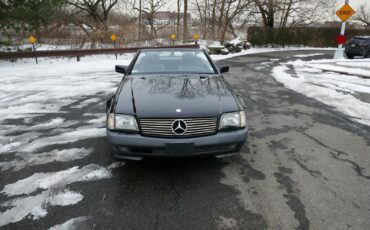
(124, 149)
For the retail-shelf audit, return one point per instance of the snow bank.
(71, 224)
(333, 89)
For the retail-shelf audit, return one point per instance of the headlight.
(122, 122)
(233, 120)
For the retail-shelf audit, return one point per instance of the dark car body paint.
(160, 96)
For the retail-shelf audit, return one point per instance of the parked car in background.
(358, 46)
(174, 103)
(217, 49)
(233, 46)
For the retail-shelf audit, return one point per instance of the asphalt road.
(305, 166)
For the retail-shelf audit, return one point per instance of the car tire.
(349, 56)
(367, 55)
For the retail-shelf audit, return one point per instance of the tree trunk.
(139, 28)
(185, 22)
(221, 20)
(178, 18)
(270, 14)
(213, 20)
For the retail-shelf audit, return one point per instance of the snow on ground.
(308, 55)
(56, 179)
(56, 155)
(45, 88)
(35, 102)
(359, 67)
(35, 206)
(335, 89)
(263, 50)
(71, 224)
(51, 184)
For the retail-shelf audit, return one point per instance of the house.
(164, 17)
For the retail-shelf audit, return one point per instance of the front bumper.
(136, 146)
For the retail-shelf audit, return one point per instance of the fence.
(80, 53)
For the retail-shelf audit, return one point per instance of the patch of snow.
(52, 124)
(86, 103)
(9, 147)
(72, 224)
(116, 164)
(54, 193)
(56, 179)
(32, 159)
(235, 41)
(308, 55)
(333, 89)
(99, 121)
(36, 205)
(66, 198)
(336, 68)
(80, 133)
(216, 46)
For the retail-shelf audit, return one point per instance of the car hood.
(175, 96)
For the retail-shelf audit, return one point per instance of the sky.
(355, 4)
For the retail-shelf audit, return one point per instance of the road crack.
(293, 202)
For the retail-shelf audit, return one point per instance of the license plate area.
(178, 149)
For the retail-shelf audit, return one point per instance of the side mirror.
(121, 69)
(224, 69)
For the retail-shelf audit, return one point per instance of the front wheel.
(349, 56)
(367, 55)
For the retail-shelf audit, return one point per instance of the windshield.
(184, 61)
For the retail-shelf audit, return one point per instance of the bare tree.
(140, 19)
(232, 8)
(97, 10)
(91, 16)
(288, 13)
(202, 8)
(363, 15)
(148, 11)
(217, 17)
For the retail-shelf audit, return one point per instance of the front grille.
(163, 127)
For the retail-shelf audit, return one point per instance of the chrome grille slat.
(162, 127)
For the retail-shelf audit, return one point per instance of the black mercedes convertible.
(174, 102)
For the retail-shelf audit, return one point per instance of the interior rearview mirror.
(224, 69)
(121, 69)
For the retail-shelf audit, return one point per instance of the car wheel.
(367, 55)
(349, 56)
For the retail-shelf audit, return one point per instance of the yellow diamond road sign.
(173, 36)
(113, 37)
(345, 12)
(32, 39)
